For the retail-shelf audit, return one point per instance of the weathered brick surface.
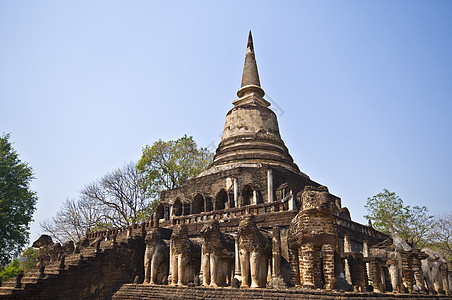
(95, 276)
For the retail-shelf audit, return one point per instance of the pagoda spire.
(250, 77)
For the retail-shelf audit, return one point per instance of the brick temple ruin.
(252, 225)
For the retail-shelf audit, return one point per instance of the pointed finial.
(250, 42)
(250, 77)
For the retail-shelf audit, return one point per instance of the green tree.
(28, 259)
(25, 262)
(441, 235)
(386, 211)
(17, 201)
(168, 165)
(389, 215)
(417, 225)
(10, 270)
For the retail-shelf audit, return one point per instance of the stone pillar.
(170, 276)
(418, 274)
(276, 278)
(270, 185)
(328, 266)
(347, 244)
(276, 252)
(295, 266)
(366, 253)
(445, 281)
(310, 266)
(201, 270)
(376, 274)
(347, 249)
(236, 192)
(407, 271)
(358, 273)
(449, 275)
(237, 269)
(292, 205)
(254, 197)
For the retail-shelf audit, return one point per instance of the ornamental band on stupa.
(251, 220)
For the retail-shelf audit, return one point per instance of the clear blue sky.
(364, 88)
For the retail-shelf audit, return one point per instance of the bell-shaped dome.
(251, 133)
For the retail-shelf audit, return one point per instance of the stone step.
(9, 283)
(31, 282)
(9, 290)
(141, 291)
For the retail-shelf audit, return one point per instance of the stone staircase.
(31, 280)
(32, 286)
(142, 291)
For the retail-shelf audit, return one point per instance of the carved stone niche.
(313, 240)
(217, 256)
(282, 191)
(255, 250)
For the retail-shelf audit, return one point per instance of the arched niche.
(198, 204)
(186, 208)
(209, 204)
(177, 208)
(246, 195)
(221, 199)
(160, 211)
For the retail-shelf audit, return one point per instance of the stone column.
(270, 185)
(201, 270)
(236, 192)
(347, 249)
(295, 266)
(310, 266)
(170, 276)
(237, 269)
(328, 266)
(276, 252)
(347, 244)
(366, 253)
(445, 281)
(376, 273)
(407, 271)
(254, 197)
(357, 272)
(418, 274)
(292, 205)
